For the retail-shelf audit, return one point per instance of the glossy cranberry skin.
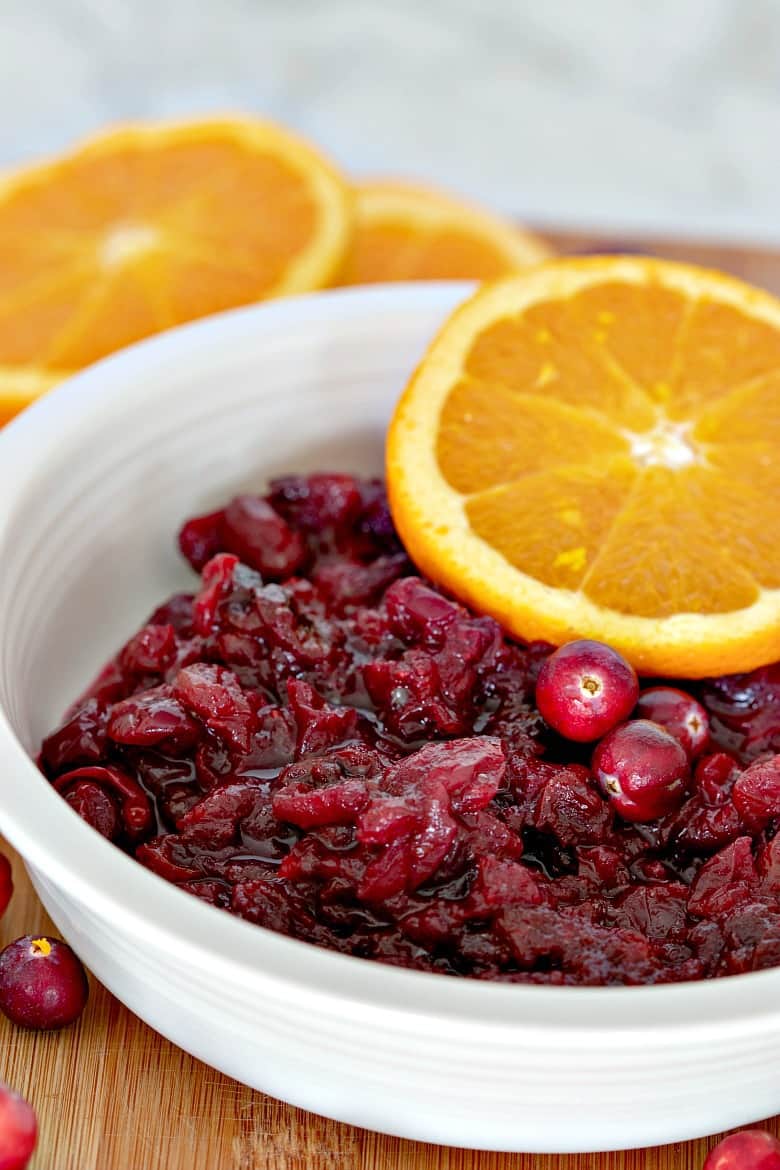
(756, 793)
(679, 713)
(42, 983)
(18, 1130)
(642, 770)
(585, 689)
(200, 539)
(96, 807)
(752, 1149)
(6, 883)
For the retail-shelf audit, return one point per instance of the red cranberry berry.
(18, 1130)
(752, 1149)
(6, 883)
(679, 713)
(42, 983)
(585, 689)
(642, 769)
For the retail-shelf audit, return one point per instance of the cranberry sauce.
(321, 742)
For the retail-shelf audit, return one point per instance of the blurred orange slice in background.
(406, 232)
(590, 449)
(146, 227)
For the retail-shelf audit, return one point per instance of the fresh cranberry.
(752, 1149)
(679, 713)
(6, 883)
(585, 689)
(642, 769)
(42, 983)
(18, 1130)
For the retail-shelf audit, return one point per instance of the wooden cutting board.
(113, 1095)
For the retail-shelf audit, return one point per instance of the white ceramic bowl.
(94, 481)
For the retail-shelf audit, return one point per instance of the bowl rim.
(54, 840)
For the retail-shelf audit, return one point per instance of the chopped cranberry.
(176, 612)
(725, 881)
(151, 651)
(217, 582)
(6, 883)
(215, 696)
(42, 983)
(135, 807)
(714, 777)
(417, 613)
(354, 758)
(744, 711)
(258, 536)
(751, 1149)
(96, 807)
(200, 539)
(756, 793)
(81, 739)
(585, 689)
(679, 713)
(346, 583)
(317, 503)
(320, 726)
(642, 769)
(153, 719)
(18, 1130)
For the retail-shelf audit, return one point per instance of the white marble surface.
(627, 114)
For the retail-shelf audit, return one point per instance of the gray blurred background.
(626, 115)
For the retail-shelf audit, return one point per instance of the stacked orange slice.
(149, 226)
(408, 232)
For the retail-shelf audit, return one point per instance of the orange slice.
(21, 386)
(593, 449)
(405, 232)
(149, 226)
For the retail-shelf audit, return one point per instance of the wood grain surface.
(113, 1095)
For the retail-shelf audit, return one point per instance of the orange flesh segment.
(549, 351)
(721, 348)
(552, 524)
(490, 435)
(650, 565)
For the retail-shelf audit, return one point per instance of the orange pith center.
(587, 434)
